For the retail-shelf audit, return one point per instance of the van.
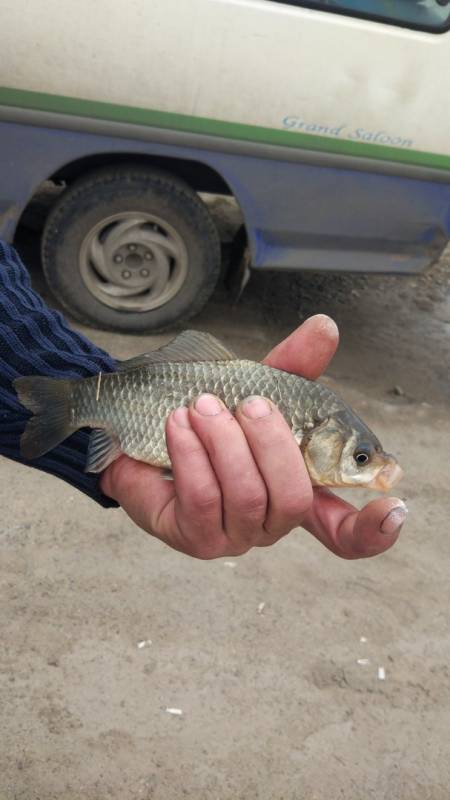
(326, 121)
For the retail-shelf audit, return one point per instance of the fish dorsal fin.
(103, 449)
(186, 347)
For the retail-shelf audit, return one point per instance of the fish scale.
(136, 403)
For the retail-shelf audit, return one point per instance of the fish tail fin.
(49, 400)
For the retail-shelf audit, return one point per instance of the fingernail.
(181, 417)
(326, 322)
(208, 405)
(394, 520)
(256, 407)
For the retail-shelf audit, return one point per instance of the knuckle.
(347, 552)
(204, 499)
(199, 541)
(251, 505)
(207, 550)
(218, 546)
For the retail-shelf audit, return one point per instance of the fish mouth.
(387, 477)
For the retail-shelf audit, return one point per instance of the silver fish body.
(136, 404)
(128, 410)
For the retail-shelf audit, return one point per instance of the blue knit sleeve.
(35, 340)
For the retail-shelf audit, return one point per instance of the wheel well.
(199, 176)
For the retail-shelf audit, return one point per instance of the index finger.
(350, 533)
(308, 350)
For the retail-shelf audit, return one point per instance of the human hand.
(240, 481)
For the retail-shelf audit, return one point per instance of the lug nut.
(126, 274)
(131, 247)
(145, 273)
(149, 255)
(118, 259)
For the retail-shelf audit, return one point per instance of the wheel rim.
(133, 261)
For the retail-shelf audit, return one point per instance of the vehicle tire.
(132, 249)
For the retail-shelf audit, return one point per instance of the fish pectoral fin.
(167, 475)
(104, 447)
(186, 347)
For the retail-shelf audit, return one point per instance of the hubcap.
(133, 261)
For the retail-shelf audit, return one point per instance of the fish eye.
(362, 454)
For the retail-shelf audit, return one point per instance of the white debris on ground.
(363, 662)
(176, 712)
(144, 643)
(381, 674)
(261, 608)
(230, 564)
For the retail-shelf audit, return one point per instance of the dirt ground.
(299, 676)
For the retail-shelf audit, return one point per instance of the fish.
(128, 409)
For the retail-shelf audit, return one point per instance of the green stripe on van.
(59, 104)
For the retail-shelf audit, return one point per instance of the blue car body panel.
(297, 215)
